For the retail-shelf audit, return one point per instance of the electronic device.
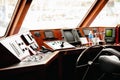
(79, 34)
(49, 35)
(30, 42)
(86, 31)
(109, 35)
(27, 38)
(12, 50)
(95, 30)
(71, 36)
(58, 45)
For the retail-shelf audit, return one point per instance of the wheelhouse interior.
(60, 39)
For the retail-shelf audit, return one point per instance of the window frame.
(92, 13)
(18, 17)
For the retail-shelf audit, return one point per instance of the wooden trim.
(96, 8)
(19, 17)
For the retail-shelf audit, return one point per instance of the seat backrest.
(109, 63)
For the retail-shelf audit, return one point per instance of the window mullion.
(94, 11)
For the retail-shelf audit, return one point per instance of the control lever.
(62, 44)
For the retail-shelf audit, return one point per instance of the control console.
(12, 50)
(17, 48)
(58, 45)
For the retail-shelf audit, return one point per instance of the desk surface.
(43, 62)
(48, 58)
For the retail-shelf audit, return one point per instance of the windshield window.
(6, 11)
(53, 14)
(109, 15)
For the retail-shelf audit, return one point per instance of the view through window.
(52, 14)
(109, 16)
(6, 11)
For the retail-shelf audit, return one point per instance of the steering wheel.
(87, 63)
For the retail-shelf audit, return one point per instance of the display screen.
(69, 36)
(108, 32)
(49, 34)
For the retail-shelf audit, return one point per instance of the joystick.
(62, 44)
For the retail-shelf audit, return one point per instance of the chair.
(98, 63)
(110, 65)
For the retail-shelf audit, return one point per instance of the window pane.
(52, 14)
(109, 16)
(6, 11)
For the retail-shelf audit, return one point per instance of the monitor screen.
(108, 32)
(68, 35)
(49, 34)
(110, 35)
